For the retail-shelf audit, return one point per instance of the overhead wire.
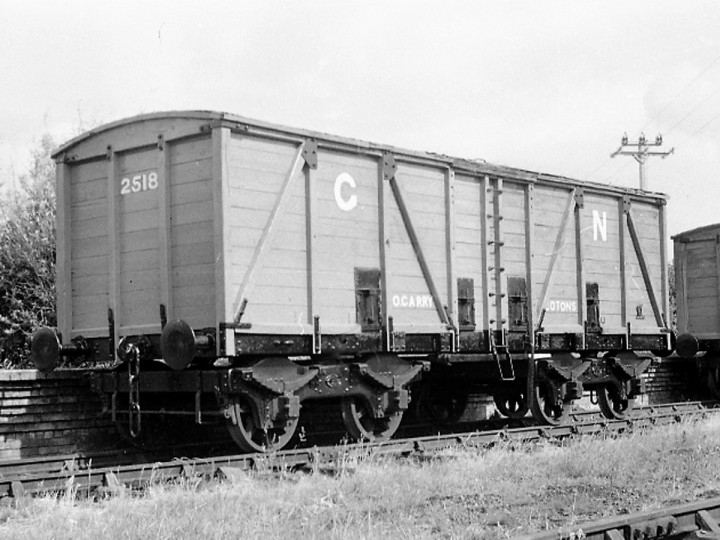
(666, 107)
(706, 124)
(681, 92)
(694, 133)
(669, 130)
(608, 179)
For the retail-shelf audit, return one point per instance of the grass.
(496, 493)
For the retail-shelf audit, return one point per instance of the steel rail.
(82, 461)
(697, 519)
(31, 479)
(65, 462)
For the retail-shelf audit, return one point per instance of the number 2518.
(139, 182)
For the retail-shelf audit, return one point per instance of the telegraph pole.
(641, 152)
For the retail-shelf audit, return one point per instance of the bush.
(27, 258)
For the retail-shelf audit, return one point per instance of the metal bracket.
(390, 331)
(627, 204)
(317, 336)
(108, 153)
(278, 376)
(111, 334)
(541, 320)
(160, 142)
(309, 153)
(389, 380)
(163, 316)
(629, 365)
(198, 398)
(241, 311)
(389, 166)
(580, 197)
(564, 367)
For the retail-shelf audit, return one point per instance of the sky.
(547, 86)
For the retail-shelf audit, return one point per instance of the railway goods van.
(221, 265)
(697, 285)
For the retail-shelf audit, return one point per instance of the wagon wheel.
(612, 404)
(548, 407)
(252, 438)
(511, 404)
(440, 407)
(361, 425)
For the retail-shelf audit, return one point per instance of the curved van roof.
(203, 120)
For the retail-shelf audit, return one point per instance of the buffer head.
(177, 344)
(44, 349)
(686, 345)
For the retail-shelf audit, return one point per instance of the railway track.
(88, 473)
(698, 519)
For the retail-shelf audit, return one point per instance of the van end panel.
(701, 296)
(124, 232)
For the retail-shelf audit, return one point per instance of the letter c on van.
(343, 203)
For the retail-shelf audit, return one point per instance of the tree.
(27, 257)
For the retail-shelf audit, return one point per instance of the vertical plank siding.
(165, 227)
(131, 248)
(469, 245)
(697, 278)
(602, 244)
(554, 257)
(258, 169)
(530, 213)
(192, 221)
(343, 239)
(416, 276)
(137, 225)
(238, 214)
(87, 238)
(451, 281)
(644, 268)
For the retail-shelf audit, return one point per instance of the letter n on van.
(599, 225)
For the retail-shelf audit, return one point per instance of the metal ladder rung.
(502, 350)
(497, 352)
